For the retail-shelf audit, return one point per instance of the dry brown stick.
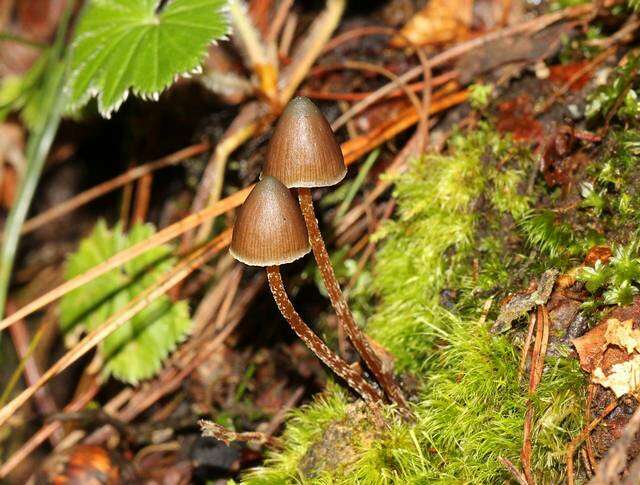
(141, 301)
(535, 375)
(280, 416)
(287, 35)
(111, 185)
(587, 415)
(22, 341)
(370, 67)
(210, 303)
(436, 81)
(231, 288)
(527, 344)
(278, 20)
(309, 48)
(125, 202)
(357, 147)
(245, 125)
(213, 430)
(122, 257)
(585, 433)
(143, 196)
(515, 473)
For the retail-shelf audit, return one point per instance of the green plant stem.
(37, 149)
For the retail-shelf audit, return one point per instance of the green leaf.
(124, 46)
(137, 349)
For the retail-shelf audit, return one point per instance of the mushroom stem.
(345, 317)
(317, 346)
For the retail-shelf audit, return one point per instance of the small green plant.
(480, 95)
(25, 94)
(139, 46)
(545, 231)
(619, 94)
(618, 281)
(136, 350)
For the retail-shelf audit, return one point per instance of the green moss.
(458, 233)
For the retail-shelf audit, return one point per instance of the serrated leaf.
(137, 349)
(124, 45)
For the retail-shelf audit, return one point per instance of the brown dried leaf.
(591, 347)
(623, 378)
(440, 21)
(623, 335)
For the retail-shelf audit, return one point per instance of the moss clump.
(454, 211)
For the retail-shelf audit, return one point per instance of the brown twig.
(535, 375)
(515, 473)
(24, 348)
(213, 430)
(527, 344)
(143, 196)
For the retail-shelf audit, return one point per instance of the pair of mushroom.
(272, 229)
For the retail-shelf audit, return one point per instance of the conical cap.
(269, 229)
(303, 151)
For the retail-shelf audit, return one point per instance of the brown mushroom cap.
(269, 229)
(303, 151)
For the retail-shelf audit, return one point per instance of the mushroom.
(303, 153)
(270, 231)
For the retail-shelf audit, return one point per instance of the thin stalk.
(38, 147)
(372, 361)
(315, 344)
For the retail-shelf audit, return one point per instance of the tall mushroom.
(303, 153)
(270, 231)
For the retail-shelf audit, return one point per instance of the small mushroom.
(304, 153)
(270, 231)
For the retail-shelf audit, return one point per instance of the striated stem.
(372, 361)
(311, 340)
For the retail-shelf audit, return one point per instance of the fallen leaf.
(623, 335)
(561, 74)
(440, 21)
(623, 378)
(516, 116)
(591, 347)
(598, 253)
(519, 304)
